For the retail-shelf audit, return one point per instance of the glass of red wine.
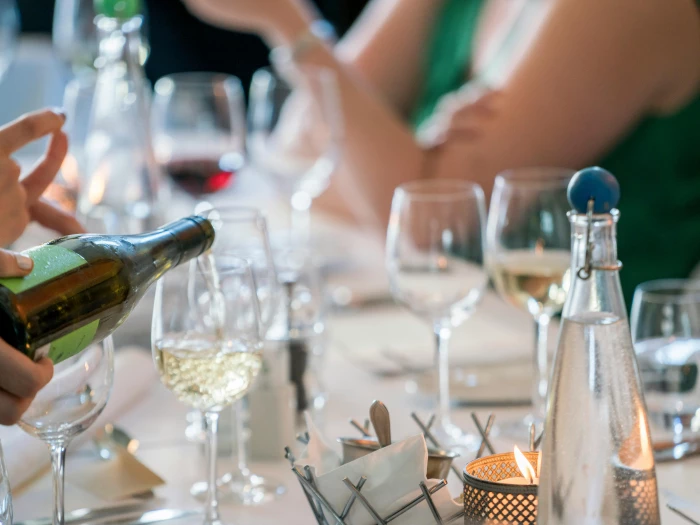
(198, 123)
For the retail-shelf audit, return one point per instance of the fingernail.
(60, 112)
(24, 262)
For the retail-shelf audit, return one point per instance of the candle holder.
(638, 493)
(487, 501)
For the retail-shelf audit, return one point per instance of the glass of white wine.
(69, 404)
(434, 258)
(207, 343)
(529, 254)
(242, 232)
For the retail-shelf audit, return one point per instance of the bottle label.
(49, 262)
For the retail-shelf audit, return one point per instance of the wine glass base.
(250, 490)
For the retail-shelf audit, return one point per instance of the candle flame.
(524, 465)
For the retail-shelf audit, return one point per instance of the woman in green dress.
(578, 82)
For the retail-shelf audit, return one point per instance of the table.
(159, 420)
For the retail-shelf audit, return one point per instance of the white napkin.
(318, 453)
(27, 456)
(393, 474)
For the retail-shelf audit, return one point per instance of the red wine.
(200, 176)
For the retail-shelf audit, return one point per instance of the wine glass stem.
(442, 339)
(241, 445)
(301, 216)
(541, 372)
(58, 461)
(212, 509)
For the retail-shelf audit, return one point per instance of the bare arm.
(387, 47)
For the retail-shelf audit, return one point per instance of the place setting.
(421, 349)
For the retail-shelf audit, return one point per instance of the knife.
(126, 514)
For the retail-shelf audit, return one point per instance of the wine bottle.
(83, 287)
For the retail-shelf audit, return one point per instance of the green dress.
(657, 163)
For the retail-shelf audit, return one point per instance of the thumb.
(13, 264)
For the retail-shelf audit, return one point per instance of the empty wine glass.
(9, 28)
(207, 343)
(242, 232)
(434, 258)
(198, 122)
(666, 333)
(75, 37)
(69, 404)
(295, 133)
(528, 257)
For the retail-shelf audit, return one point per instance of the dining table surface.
(360, 343)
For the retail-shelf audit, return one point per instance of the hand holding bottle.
(20, 200)
(20, 377)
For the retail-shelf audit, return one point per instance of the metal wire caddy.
(318, 503)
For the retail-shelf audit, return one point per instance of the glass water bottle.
(598, 462)
(122, 182)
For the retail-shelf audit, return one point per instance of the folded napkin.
(393, 474)
(27, 456)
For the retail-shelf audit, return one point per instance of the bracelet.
(319, 31)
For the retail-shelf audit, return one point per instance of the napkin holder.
(318, 503)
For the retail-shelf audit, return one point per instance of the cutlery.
(379, 415)
(109, 515)
(682, 514)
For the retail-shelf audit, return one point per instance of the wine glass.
(9, 27)
(242, 232)
(69, 404)
(198, 122)
(207, 343)
(295, 133)
(529, 254)
(77, 103)
(434, 258)
(666, 334)
(74, 35)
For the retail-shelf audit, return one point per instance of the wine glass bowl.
(295, 133)
(529, 254)
(199, 130)
(75, 396)
(665, 324)
(434, 258)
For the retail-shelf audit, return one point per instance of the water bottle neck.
(120, 41)
(595, 277)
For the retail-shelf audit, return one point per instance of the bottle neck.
(173, 244)
(601, 290)
(120, 43)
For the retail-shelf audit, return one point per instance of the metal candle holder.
(486, 500)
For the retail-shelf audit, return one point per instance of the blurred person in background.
(21, 203)
(469, 88)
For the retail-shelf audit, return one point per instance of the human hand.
(20, 377)
(248, 15)
(20, 200)
(459, 115)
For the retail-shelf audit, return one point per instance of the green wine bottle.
(83, 287)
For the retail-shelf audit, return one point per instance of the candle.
(529, 476)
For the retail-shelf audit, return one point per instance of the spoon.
(110, 437)
(379, 415)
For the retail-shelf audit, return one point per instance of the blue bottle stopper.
(597, 184)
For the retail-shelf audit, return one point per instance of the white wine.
(533, 281)
(204, 373)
